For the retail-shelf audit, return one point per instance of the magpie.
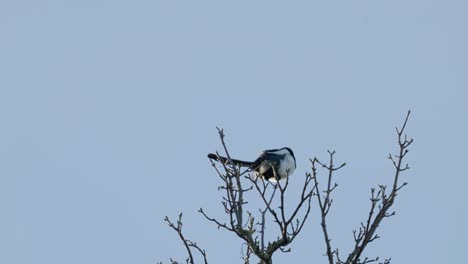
(280, 161)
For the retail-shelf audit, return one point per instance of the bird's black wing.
(265, 163)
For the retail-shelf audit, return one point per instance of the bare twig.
(187, 243)
(246, 256)
(326, 201)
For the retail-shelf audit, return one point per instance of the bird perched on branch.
(279, 161)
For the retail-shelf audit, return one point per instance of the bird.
(280, 161)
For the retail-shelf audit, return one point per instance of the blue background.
(108, 109)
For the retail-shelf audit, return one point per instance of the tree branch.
(187, 243)
(326, 203)
(367, 231)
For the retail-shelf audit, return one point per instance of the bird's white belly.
(286, 167)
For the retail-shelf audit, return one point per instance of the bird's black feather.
(226, 160)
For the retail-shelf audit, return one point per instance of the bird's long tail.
(226, 160)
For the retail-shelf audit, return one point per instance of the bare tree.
(289, 218)
(250, 231)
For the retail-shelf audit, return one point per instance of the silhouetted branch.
(187, 243)
(325, 201)
(246, 256)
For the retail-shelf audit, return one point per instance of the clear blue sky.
(108, 109)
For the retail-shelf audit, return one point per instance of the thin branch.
(327, 201)
(188, 244)
(246, 256)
